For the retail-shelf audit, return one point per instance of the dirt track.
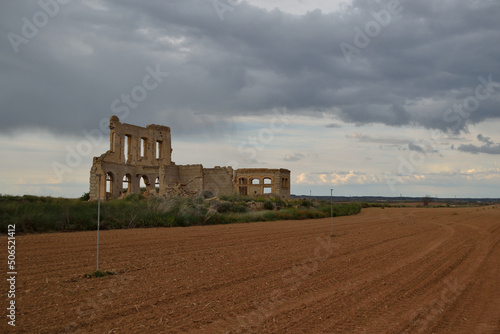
(437, 272)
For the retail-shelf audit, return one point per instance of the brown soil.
(437, 271)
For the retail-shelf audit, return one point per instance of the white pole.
(401, 200)
(331, 210)
(435, 206)
(98, 218)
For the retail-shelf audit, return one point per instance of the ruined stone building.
(138, 153)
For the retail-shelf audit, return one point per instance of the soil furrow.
(435, 271)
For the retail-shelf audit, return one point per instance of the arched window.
(255, 181)
(267, 180)
(242, 180)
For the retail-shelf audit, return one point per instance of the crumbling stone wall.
(183, 180)
(138, 153)
(135, 153)
(219, 180)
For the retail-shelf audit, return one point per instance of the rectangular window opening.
(126, 149)
(158, 149)
(144, 147)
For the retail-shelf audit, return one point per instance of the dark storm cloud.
(416, 148)
(486, 140)
(91, 53)
(488, 149)
(489, 146)
(333, 126)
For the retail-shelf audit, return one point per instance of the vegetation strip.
(33, 214)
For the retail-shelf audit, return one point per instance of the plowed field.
(436, 271)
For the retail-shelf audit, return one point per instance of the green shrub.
(239, 207)
(134, 197)
(268, 205)
(305, 203)
(341, 209)
(223, 207)
(227, 207)
(99, 273)
(85, 197)
(207, 194)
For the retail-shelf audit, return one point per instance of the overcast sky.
(366, 97)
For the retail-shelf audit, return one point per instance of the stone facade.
(256, 181)
(146, 153)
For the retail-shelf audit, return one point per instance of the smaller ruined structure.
(138, 153)
(256, 181)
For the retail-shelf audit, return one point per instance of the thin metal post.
(401, 200)
(98, 218)
(331, 210)
(435, 206)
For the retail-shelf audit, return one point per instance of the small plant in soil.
(99, 273)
